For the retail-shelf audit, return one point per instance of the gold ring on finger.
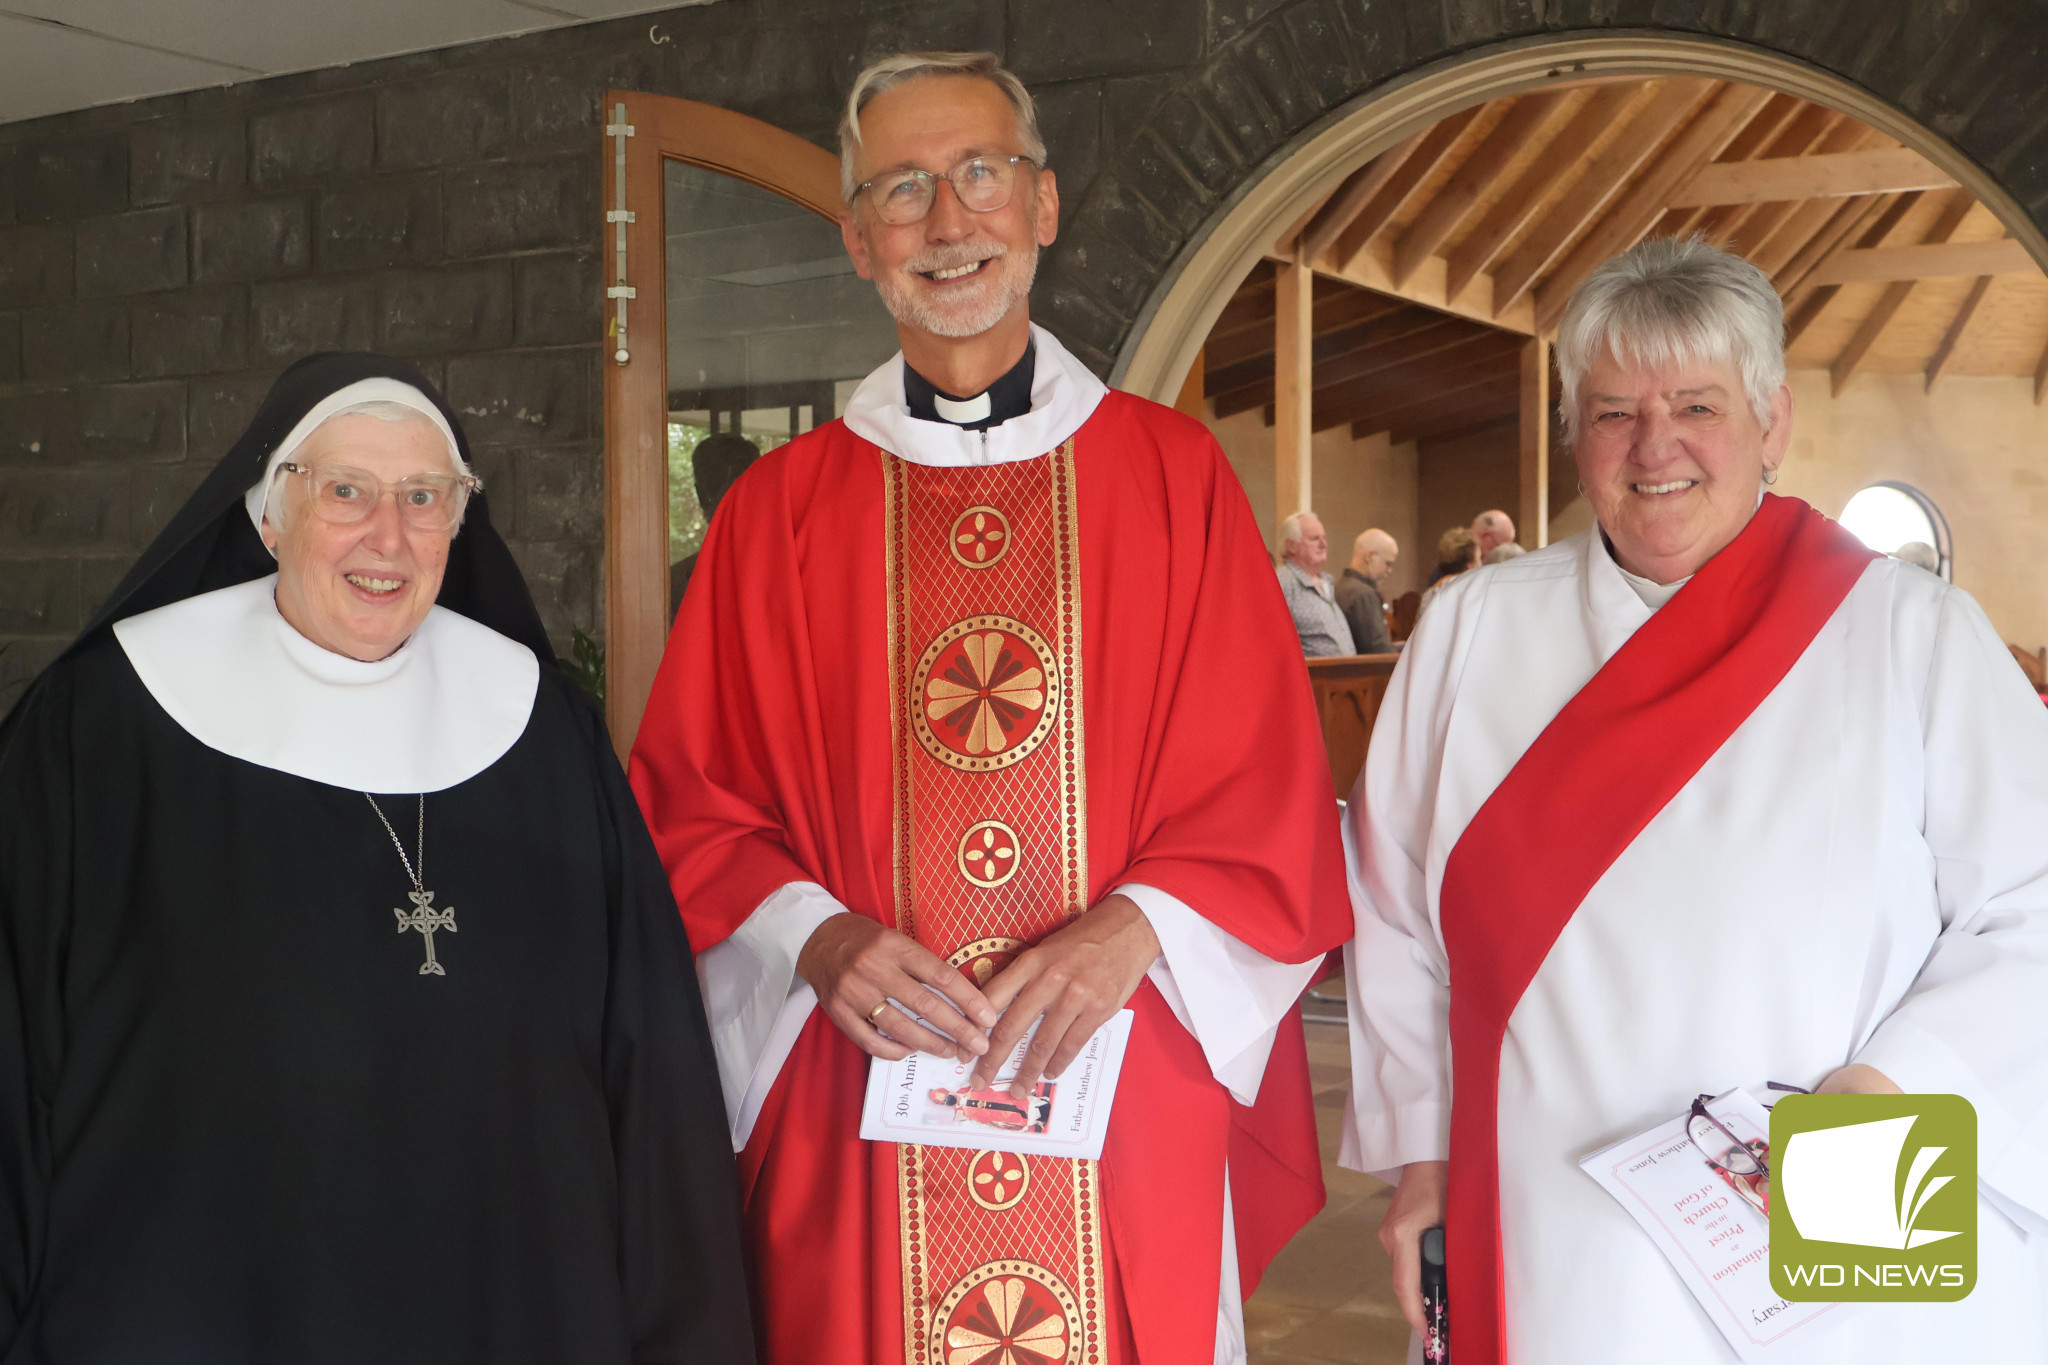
(876, 1012)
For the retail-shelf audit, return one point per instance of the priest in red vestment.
(982, 712)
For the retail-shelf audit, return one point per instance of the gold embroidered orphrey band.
(1003, 1255)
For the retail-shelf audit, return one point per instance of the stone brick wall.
(161, 261)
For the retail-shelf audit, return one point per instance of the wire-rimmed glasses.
(344, 497)
(982, 184)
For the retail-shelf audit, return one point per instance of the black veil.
(211, 543)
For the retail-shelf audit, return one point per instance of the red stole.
(1600, 771)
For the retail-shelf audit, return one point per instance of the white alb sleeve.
(1229, 995)
(1396, 972)
(1972, 1023)
(754, 999)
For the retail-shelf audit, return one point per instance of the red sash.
(1599, 772)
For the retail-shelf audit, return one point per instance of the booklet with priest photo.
(929, 1100)
(1711, 1218)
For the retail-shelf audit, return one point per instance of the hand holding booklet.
(1713, 1225)
(928, 1100)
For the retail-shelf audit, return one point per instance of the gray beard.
(965, 317)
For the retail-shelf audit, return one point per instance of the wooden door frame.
(665, 128)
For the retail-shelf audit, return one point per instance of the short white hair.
(879, 77)
(1290, 527)
(1674, 300)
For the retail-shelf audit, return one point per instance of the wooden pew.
(1348, 690)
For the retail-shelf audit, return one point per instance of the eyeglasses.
(1723, 1150)
(982, 184)
(345, 497)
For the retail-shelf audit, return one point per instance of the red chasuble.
(1614, 756)
(969, 703)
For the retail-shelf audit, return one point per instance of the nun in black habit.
(345, 1014)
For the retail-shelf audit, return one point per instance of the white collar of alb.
(1064, 395)
(237, 677)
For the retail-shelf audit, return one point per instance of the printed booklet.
(927, 1100)
(1712, 1224)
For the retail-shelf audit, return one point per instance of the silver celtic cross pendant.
(424, 921)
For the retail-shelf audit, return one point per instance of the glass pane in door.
(769, 332)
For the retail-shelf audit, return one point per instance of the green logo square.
(1874, 1198)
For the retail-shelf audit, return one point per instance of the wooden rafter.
(1423, 381)
(1798, 136)
(1354, 194)
(1752, 142)
(1730, 108)
(1508, 217)
(1805, 302)
(1345, 354)
(1945, 352)
(1459, 422)
(1927, 261)
(1608, 177)
(1764, 222)
(1249, 352)
(1436, 144)
(1894, 297)
(1849, 217)
(1833, 175)
(1448, 208)
(1477, 395)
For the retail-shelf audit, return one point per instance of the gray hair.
(1501, 554)
(1290, 527)
(879, 77)
(1674, 300)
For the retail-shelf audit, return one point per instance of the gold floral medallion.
(1007, 1313)
(990, 854)
(985, 694)
(980, 537)
(997, 1180)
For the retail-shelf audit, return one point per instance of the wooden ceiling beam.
(1945, 352)
(1805, 302)
(1927, 260)
(1418, 386)
(1478, 393)
(1447, 209)
(1833, 175)
(1761, 224)
(1251, 386)
(1606, 178)
(1436, 144)
(1726, 113)
(1850, 219)
(1284, 244)
(1335, 310)
(1467, 423)
(1799, 136)
(1754, 141)
(1354, 194)
(1805, 230)
(1894, 297)
(1477, 253)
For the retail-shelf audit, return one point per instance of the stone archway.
(1959, 82)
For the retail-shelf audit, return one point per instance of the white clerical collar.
(237, 677)
(1064, 394)
(1653, 593)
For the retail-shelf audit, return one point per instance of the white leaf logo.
(1839, 1185)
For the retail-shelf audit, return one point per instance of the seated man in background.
(1311, 597)
(1373, 556)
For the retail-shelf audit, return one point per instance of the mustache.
(953, 256)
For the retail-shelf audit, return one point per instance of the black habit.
(238, 1125)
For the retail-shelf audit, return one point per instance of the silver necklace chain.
(418, 874)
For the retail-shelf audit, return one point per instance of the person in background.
(1501, 554)
(1920, 555)
(1373, 556)
(715, 466)
(1457, 552)
(1492, 529)
(1311, 596)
